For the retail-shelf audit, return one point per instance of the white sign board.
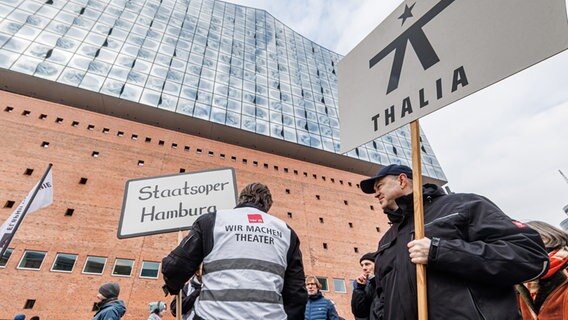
(171, 203)
(430, 53)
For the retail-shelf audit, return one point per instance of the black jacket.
(184, 260)
(365, 304)
(477, 256)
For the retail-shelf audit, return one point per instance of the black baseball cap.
(368, 185)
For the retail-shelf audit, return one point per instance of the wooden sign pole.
(180, 294)
(418, 218)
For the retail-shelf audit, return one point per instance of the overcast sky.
(506, 142)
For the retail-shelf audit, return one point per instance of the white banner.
(430, 53)
(32, 202)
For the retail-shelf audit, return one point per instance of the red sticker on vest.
(255, 218)
(519, 224)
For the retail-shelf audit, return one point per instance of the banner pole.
(418, 218)
(180, 293)
(24, 211)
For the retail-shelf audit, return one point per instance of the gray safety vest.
(243, 276)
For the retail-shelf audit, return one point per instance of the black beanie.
(110, 290)
(368, 256)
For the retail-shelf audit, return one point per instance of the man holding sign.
(252, 264)
(474, 253)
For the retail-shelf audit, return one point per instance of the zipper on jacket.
(475, 304)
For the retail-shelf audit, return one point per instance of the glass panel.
(64, 262)
(339, 285)
(6, 257)
(32, 260)
(95, 265)
(323, 282)
(150, 269)
(123, 267)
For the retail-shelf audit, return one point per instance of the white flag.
(43, 198)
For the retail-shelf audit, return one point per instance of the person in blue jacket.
(318, 306)
(109, 307)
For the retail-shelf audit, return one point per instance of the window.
(255, 163)
(148, 139)
(83, 181)
(120, 134)
(275, 168)
(8, 109)
(350, 224)
(26, 113)
(198, 151)
(150, 269)
(181, 170)
(90, 127)
(287, 191)
(64, 262)
(94, 265)
(186, 148)
(140, 163)
(6, 257)
(161, 142)
(355, 249)
(123, 267)
(174, 146)
(378, 229)
(95, 154)
(134, 137)
(372, 207)
(29, 304)
(69, 212)
(59, 120)
(42, 116)
(325, 245)
(233, 158)
(210, 153)
(323, 281)
(29, 172)
(9, 204)
(339, 285)
(106, 130)
(321, 220)
(222, 156)
(345, 202)
(289, 214)
(75, 124)
(32, 260)
(45, 144)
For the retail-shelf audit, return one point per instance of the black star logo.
(407, 13)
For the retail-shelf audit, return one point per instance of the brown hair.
(258, 194)
(553, 237)
(315, 279)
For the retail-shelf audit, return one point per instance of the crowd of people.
(245, 264)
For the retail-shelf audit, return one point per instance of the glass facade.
(229, 64)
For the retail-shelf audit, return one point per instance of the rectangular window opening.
(8, 109)
(9, 204)
(42, 116)
(148, 140)
(325, 245)
(134, 137)
(29, 304)
(123, 267)
(321, 220)
(59, 120)
(120, 134)
(28, 172)
(161, 142)
(94, 265)
(95, 154)
(91, 127)
(32, 260)
(26, 113)
(289, 214)
(174, 146)
(75, 124)
(140, 163)
(150, 269)
(45, 144)
(69, 212)
(181, 170)
(83, 180)
(64, 262)
(6, 257)
(106, 130)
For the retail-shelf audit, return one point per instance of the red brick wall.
(92, 228)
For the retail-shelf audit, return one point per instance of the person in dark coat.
(474, 253)
(546, 298)
(109, 307)
(364, 300)
(318, 306)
